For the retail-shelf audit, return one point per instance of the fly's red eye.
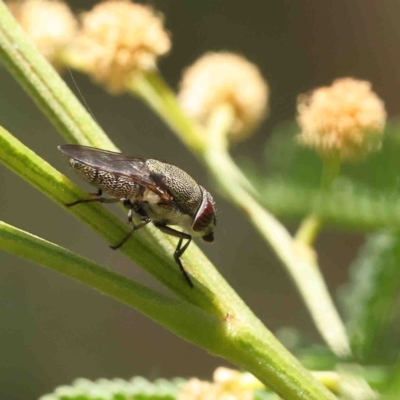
(205, 216)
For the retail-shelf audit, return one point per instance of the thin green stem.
(304, 270)
(155, 91)
(222, 337)
(45, 86)
(249, 343)
(311, 225)
(75, 124)
(57, 187)
(330, 170)
(309, 230)
(151, 87)
(330, 379)
(54, 98)
(174, 314)
(309, 281)
(300, 261)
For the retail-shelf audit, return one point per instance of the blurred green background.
(53, 329)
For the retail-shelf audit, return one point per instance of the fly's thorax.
(185, 191)
(115, 185)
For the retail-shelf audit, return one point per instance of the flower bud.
(119, 39)
(49, 24)
(220, 79)
(345, 119)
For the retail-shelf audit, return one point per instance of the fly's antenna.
(81, 95)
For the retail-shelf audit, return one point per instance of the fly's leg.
(96, 197)
(179, 249)
(133, 209)
(97, 194)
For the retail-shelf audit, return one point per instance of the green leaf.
(137, 388)
(369, 299)
(364, 197)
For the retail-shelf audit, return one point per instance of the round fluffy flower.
(218, 79)
(119, 39)
(228, 385)
(49, 23)
(345, 119)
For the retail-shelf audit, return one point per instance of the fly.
(152, 190)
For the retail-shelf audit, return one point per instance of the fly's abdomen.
(113, 184)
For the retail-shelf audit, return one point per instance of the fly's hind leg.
(133, 208)
(96, 198)
(179, 248)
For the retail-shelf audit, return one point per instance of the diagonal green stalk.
(299, 261)
(312, 224)
(211, 291)
(249, 343)
(36, 171)
(45, 86)
(154, 90)
(224, 337)
(56, 101)
(174, 314)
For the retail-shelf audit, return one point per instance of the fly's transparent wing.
(133, 167)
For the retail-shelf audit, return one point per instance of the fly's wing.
(121, 164)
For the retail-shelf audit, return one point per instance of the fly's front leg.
(144, 218)
(179, 249)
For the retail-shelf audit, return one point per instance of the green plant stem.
(24, 162)
(151, 87)
(302, 268)
(54, 98)
(52, 95)
(300, 264)
(299, 261)
(222, 337)
(154, 90)
(311, 225)
(309, 229)
(45, 86)
(75, 124)
(330, 170)
(176, 315)
(330, 379)
(211, 293)
(251, 345)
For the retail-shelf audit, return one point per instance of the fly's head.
(205, 218)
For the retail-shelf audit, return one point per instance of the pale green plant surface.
(251, 341)
(229, 328)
